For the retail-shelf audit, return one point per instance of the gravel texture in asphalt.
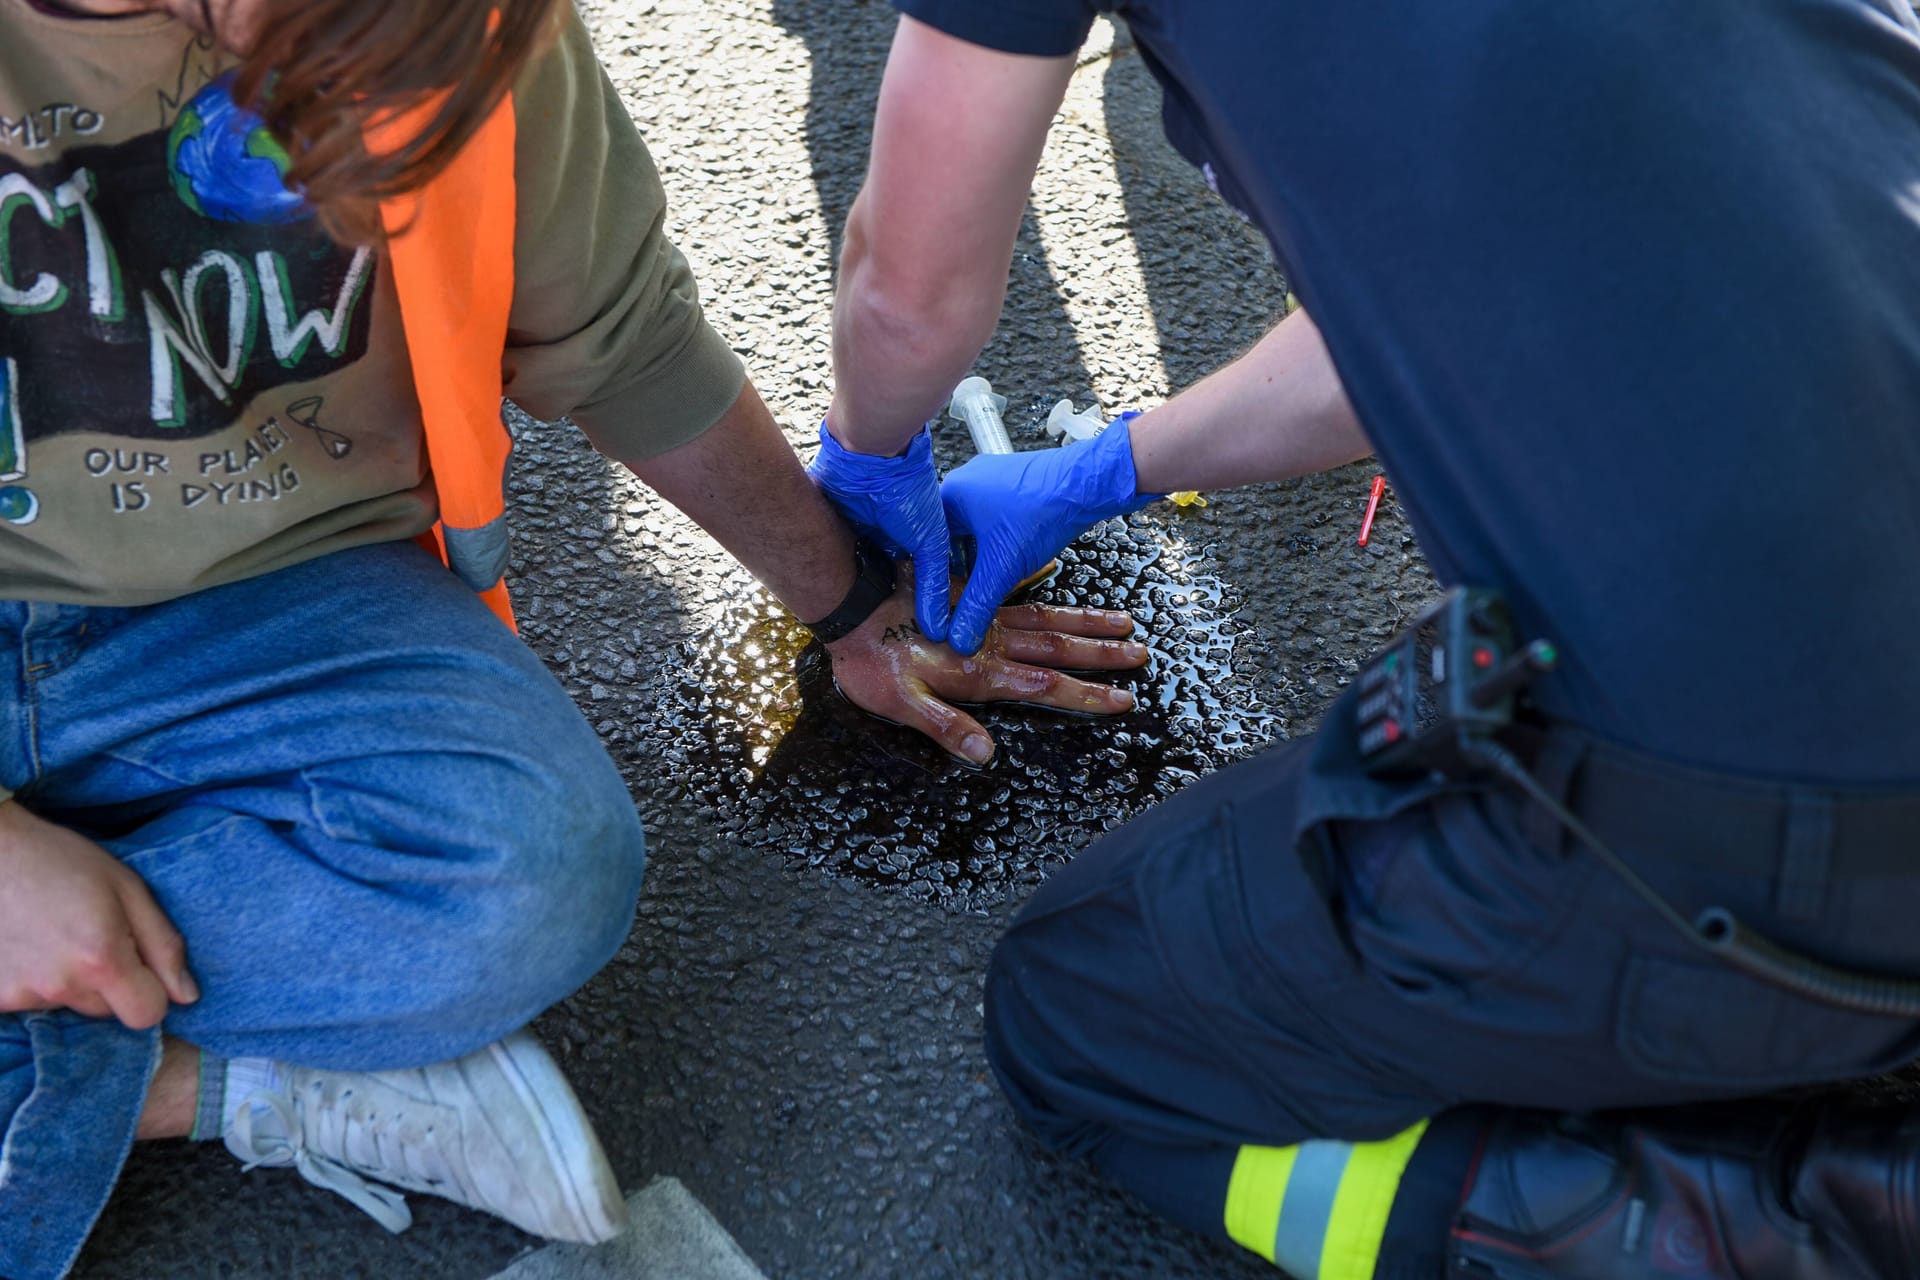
(792, 1030)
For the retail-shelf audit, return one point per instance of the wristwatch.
(873, 583)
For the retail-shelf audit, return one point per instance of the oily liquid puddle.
(752, 724)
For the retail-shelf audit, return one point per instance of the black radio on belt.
(1452, 674)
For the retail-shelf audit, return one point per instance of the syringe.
(975, 404)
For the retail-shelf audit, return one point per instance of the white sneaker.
(499, 1130)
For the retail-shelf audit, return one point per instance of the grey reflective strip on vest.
(1308, 1207)
(479, 556)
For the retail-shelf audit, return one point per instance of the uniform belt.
(1802, 831)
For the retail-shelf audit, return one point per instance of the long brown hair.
(319, 70)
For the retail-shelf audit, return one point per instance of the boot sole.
(592, 1195)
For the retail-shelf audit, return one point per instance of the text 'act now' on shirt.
(197, 385)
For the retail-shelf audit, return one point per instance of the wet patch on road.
(752, 727)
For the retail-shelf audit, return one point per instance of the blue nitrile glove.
(1022, 508)
(897, 502)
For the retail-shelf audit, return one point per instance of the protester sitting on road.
(1627, 299)
(295, 835)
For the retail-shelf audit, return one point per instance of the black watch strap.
(873, 583)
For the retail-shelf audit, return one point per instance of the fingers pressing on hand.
(973, 614)
(930, 595)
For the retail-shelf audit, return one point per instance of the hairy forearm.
(1276, 412)
(741, 482)
(956, 135)
(899, 348)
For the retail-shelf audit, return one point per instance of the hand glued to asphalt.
(889, 668)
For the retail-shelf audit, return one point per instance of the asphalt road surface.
(790, 1032)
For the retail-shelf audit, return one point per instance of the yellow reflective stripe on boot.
(1319, 1210)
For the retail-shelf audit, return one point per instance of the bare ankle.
(174, 1095)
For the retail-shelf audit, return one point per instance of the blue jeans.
(384, 831)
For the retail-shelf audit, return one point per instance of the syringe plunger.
(1068, 427)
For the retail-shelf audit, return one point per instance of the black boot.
(1749, 1192)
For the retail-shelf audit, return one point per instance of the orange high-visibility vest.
(451, 246)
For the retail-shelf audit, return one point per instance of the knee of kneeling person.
(559, 898)
(1022, 1054)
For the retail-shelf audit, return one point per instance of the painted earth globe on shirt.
(226, 166)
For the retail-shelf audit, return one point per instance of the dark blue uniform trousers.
(1290, 950)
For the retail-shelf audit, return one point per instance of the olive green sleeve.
(606, 323)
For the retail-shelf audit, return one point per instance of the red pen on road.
(1373, 505)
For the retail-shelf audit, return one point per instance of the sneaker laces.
(266, 1145)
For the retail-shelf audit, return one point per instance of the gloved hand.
(1022, 508)
(895, 501)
